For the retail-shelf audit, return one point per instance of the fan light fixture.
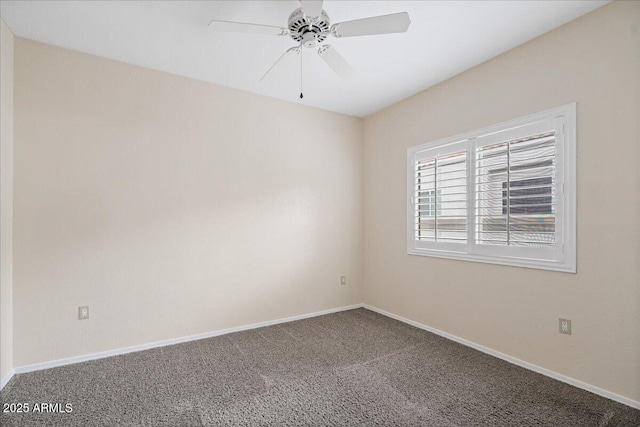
(309, 26)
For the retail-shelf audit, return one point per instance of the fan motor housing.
(308, 31)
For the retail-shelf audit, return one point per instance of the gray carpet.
(354, 368)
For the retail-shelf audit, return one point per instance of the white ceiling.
(444, 39)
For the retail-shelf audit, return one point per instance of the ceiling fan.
(309, 26)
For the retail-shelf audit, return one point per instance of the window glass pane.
(451, 197)
(515, 196)
(425, 203)
(441, 198)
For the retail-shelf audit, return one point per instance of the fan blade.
(285, 59)
(385, 24)
(337, 63)
(245, 27)
(311, 8)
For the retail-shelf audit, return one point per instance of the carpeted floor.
(354, 368)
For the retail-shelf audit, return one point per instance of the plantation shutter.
(515, 187)
(504, 194)
(441, 195)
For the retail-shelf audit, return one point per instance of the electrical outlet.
(343, 280)
(83, 312)
(565, 326)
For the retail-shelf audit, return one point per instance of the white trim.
(576, 383)
(514, 262)
(495, 128)
(5, 380)
(132, 349)
(551, 374)
(519, 128)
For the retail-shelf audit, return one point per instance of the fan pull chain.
(301, 95)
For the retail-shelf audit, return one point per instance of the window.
(503, 194)
(428, 203)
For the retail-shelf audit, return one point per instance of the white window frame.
(563, 256)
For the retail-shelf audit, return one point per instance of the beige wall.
(6, 200)
(171, 207)
(594, 61)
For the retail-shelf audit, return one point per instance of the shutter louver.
(441, 198)
(515, 192)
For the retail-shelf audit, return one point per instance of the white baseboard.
(593, 389)
(125, 350)
(6, 379)
(61, 362)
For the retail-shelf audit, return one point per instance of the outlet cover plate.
(565, 326)
(83, 312)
